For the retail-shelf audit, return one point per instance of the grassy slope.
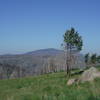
(48, 87)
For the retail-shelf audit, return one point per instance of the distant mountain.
(49, 51)
(34, 63)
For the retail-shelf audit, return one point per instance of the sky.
(28, 25)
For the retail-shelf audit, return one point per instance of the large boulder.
(88, 75)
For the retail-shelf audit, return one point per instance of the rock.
(89, 75)
(71, 81)
(14, 75)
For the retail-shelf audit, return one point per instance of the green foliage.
(73, 40)
(98, 59)
(48, 87)
(86, 58)
(72, 43)
(93, 58)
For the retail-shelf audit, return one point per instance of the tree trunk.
(67, 61)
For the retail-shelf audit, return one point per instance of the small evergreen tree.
(72, 43)
(93, 58)
(98, 59)
(87, 58)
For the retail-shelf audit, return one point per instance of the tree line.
(92, 59)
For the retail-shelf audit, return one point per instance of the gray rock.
(89, 75)
(72, 81)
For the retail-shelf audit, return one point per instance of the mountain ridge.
(35, 63)
(39, 51)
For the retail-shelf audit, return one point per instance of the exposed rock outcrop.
(88, 75)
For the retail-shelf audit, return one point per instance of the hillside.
(48, 51)
(48, 87)
(35, 63)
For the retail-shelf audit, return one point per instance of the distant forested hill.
(35, 63)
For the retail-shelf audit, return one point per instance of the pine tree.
(72, 43)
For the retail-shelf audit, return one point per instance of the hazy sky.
(27, 25)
